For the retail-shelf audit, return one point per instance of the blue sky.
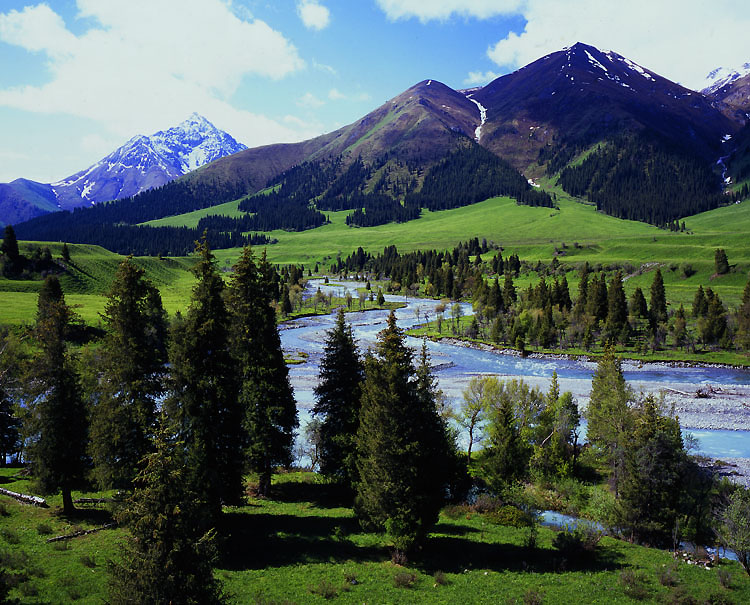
(80, 77)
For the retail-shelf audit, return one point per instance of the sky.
(78, 78)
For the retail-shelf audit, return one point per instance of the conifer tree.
(203, 400)
(721, 263)
(617, 310)
(133, 357)
(168, 556)
(658, 303)
(700, 304)
(509, 290)
(655, 463)
(338, 401)
(269, 413)
(400, 487)
(638, 307)
(609, 415)
(743, 319)
(58, 424)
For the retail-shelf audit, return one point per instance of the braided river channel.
(720, 423)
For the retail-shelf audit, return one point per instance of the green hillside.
(575, 231)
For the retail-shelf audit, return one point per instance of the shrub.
(667, 575)
(576, 542)
(88, 561)
(509, 515)
(634, 585)
(44, 529)
(4, 512)
(725, 578)
(680, 596)
(533, 597)
(10, 536)
(486, 504)
(440, 578)
(688, 270)
(404, 579)
(719, 598)
(325, 589)
(61, 545)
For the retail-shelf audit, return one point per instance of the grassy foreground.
(303, 546)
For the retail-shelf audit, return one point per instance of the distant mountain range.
(636, 144)
(144, 162)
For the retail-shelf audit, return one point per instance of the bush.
(486, 504)
(574, 543)
(404, 579)
(44, 529)
(667, 575)
(688, 270)
(725, 578)
(440, 578)
(88, 561)
(325, 589)
(10, 536)
(509, 515)
(634, 585)
(533, 597)
(4, 512)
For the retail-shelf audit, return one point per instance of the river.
(721, 424)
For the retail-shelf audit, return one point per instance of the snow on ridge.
(594, 62)
(723, 76)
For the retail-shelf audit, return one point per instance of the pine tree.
(652, 485)
(203, 399)
(721, 263)
(638, 307)
(9, 248)
(400, 488)
(658, 303)
(265, 395)
(57, 426)
(700, 304)
(617, 309)
(168, 556)
(133, 357)
(10, 420)
(509, 290)
(609, 415)
(338, 401)
(743, 319)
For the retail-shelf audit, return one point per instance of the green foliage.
(402, 445)
(735, 531)
(168, 557)
(265, 396)
(57, 424)
(203, 399)
(338, 401)
(658, 304)
(132, 367)
(721, 264)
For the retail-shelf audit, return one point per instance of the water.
(456, 365)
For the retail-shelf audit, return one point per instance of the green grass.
(191, 219)
(304, 541)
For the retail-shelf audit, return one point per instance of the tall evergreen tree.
(609, 414)
(265, 394)
(721, 263)
(400, 488)
(10, 420)
(617, 310)
(58, 424)
(658, 303)
(11, 257)
(203, 399)
(700, 304)
(133, 357)
(168, 556)
(652, 485)
(743, 319)
(638, 307)
(338, 401)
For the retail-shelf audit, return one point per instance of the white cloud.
(309, 100)
(336, 95)
(439, 10)
(313, 14)
(147, 64)
(323, 67)
(478, 78)
(678, 39)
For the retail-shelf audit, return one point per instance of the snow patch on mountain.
(482, 117)
(145, 162)
(721, 77)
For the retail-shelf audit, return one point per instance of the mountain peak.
(723, 76)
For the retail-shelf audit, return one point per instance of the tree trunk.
(68, 507)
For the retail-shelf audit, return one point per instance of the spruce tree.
(12, 259)
(638, 306)
(338, 400)
(133, 357)
(652, 484)
(400, 488)
(203, 399)
(658, 303)
(700, 304)
(269, 413)
(743, 319)
(168, 556)
(58, 423)
(617, 310)
(609, 414)
(721, 263)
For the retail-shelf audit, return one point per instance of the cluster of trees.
(14, 264)
(378, 209)
(177, 412)
(643, 179)
(129, 239)
(470, 175)
(381, 434)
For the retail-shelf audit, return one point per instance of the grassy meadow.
(304, 546)
(574, 233)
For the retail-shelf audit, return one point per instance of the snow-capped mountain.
(721, 77)
(145, 162)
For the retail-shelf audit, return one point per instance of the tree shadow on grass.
(454, 555)
(322, 495)
(255, 541)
